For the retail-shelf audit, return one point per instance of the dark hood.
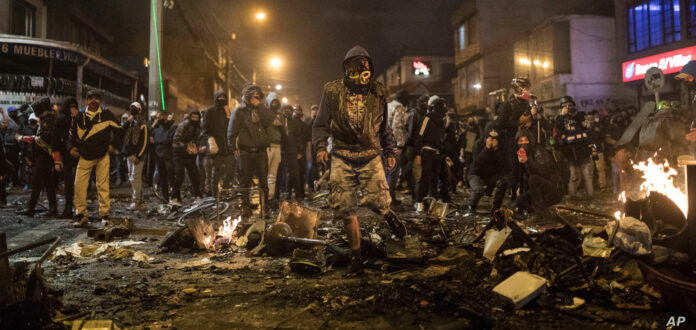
(41, 106)
(67, 104)
(528, 134)
(269, 99)
(358, 51)
(248, 91)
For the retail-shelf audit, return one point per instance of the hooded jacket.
(186, 132)
(64, 122)
(541, 162)
(247, 128)
(356, 135)
(509, 114)
(93, 133)
(136, 138)
(293, 135)
(274, 133)
(215, 125)
(431, 133)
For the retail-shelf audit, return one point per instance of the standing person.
(274, 148)
(136, 138)
(95, 132)
(490, 166)
(430, 145)
(46, 154)
(451, 167)
(312, 166)
(185, 150)
(596, 134)
(353, 113)
(163, 130)
(509, 114)
(12, 149)
(247, 136)
(292, 146)
(398, 122)
(468, 138)
(575, 146)
(414, 125)
(215, 127)
(65, 121)
(306, 137)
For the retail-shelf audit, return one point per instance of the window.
(653, 23)
(691, 19)
(462, 36)
(23, 20)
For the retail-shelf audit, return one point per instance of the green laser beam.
(159, 64)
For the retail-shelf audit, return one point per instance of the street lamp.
(276, 62)
(278, 87)
(260, 16)
(285, 100)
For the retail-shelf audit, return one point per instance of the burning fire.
(660, 178)
(224, 234)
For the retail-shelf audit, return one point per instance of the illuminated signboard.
(421, 68)
(669, 62)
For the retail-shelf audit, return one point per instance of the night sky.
(312, 36)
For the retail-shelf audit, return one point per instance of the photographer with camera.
(575, 146)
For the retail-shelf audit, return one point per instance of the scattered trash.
(494, 239)
(577, 302)
(141, 257)
(594, 246)
(189, 291)
(521, 288)
(632, 237)
(95, 325)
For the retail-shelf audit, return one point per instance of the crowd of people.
(516, 150)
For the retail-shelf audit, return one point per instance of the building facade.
(655, 33)
(486, 34)
(421, 75)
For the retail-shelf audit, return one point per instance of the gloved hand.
(213, 146)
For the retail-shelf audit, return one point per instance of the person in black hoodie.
(47, 146)
(162, 138)
(575, 146)
(414, 124)
(63, 124)
(215, 128)
(546, 183)
(292, 146)
(135, 145)
(353, 112)
(94, 133)
(185, 150)
(490, 166)
(246, 135)
(429, 143)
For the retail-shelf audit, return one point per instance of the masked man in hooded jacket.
(246, 135)
(353, 112)
(135, 144)
(215, 128)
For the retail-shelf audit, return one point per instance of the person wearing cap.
(576, 147)
(46, 152)
(135, 144)
(94, 133)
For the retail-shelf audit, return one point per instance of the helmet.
(519, 83)
(567, 99)
(135, 108)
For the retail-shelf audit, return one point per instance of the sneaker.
(80, 221)
(419, 207)
(470, 211)
(175, 202)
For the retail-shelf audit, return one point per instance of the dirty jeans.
(135, 177)
(347, 178)
(478, 183)
(600, 165)
(580, 172)
(274, 157)
(254, 163)
(185, 162)
(84, 170)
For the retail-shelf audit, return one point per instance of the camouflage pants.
(347, 180)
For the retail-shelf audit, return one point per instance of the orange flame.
(660, 178)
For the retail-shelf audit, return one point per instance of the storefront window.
(653, 23)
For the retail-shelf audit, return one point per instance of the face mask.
(522, 153)
(196, 123)
(221, 102)
(525, 96)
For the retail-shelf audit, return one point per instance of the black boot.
(28, 212)
(52, 211)
(356, 264)
(397, 227)
(67, 213)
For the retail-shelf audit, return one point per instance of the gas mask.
(357, 72)
(135, 109)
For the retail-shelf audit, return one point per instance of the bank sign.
(669, 62)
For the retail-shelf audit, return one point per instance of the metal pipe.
(28, 247)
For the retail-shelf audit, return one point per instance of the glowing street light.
(261, 16)
(278, 87)
(276, 62)
(285, 100)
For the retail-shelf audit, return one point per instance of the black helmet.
(519, 83)
(567, 99)
(41, 106)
